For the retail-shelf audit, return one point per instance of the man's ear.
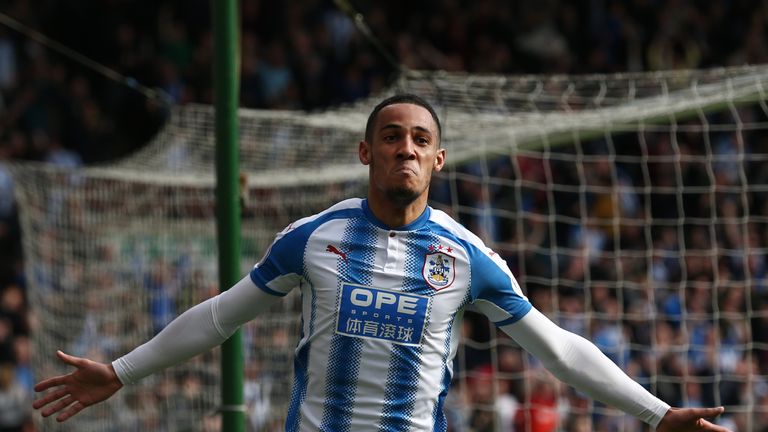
(439, 160)
(364, 152)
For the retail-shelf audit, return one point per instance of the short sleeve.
(281, 268)
(494, 289)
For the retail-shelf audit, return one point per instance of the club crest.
(439, 270)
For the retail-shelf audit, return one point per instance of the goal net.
(632, 208)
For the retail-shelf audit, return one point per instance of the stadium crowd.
(308, 55)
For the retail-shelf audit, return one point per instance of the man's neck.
(395, 215)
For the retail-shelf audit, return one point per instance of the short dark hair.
(405, 98)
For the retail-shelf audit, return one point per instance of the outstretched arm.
(579, 363)
(197, 330)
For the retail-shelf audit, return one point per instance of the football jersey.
(381, 312)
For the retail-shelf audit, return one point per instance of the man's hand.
(690, 419)
(90, 383)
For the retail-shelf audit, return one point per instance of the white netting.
(632, 208)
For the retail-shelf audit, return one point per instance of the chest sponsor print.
(376, 313)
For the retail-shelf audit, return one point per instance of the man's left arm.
(573, 359)
(579, 363)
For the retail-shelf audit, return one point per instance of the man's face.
(404, 151)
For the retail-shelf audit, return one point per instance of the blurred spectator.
(7, 200)
(494, 406)
(257, 391)
(55, 153)
(23, 357)
(163, 289)
(8, 60)
(15, 401)
(540, 412)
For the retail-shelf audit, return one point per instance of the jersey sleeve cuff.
(515, 317)
(264, 286)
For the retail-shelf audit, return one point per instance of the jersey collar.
(413, 226)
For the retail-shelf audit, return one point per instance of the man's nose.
(407, 149)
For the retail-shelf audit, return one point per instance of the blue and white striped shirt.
(381, 311)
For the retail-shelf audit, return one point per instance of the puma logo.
(334, 250)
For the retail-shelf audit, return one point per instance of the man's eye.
(422, 140)
(390, 138)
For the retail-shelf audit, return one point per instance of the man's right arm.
(197, 330)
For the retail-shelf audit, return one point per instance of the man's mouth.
(405, 170)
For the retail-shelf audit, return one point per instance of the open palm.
(90, 383)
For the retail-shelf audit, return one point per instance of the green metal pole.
(226, 88)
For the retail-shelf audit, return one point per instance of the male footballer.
(383, 282)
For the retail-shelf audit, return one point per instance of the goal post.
(632, 208)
